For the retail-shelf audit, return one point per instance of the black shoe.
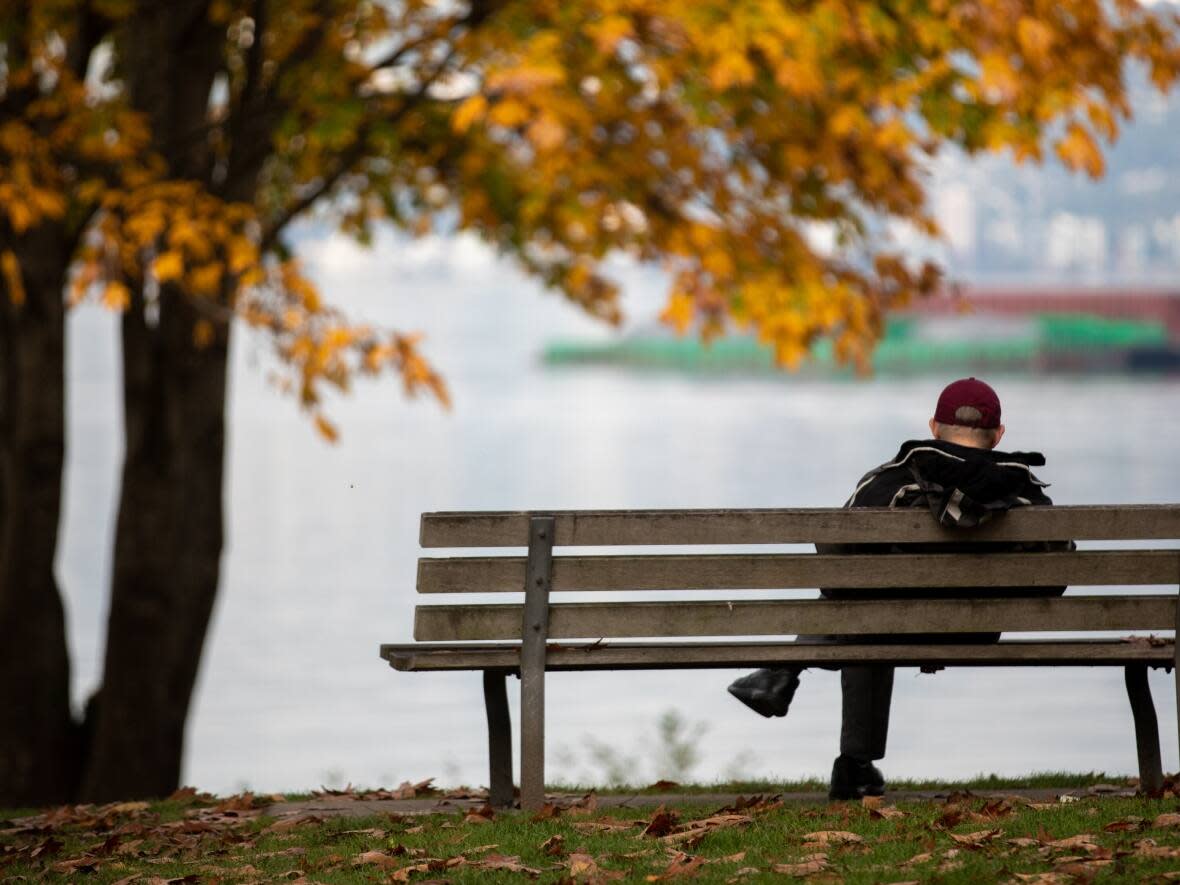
(767, 692)
(854, 779)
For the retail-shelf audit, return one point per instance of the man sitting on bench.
(964, 480)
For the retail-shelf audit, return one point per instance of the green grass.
(233, 843)
(1042, 779)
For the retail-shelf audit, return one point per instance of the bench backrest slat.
(811, 525)
(781, 618)
(805, 570)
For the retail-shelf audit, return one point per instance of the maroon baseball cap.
(972, 394)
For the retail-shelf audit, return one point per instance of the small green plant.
(671, 752)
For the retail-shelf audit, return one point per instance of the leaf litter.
(213, 839)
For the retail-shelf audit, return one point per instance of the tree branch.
(353, 154)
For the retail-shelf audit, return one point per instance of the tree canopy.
(711, 138)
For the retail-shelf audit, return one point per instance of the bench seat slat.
(790, 526)
(496, 574)
(813, 617)
(666, 656)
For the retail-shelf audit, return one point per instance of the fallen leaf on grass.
(125, 807)
(482, 815)
(554, 846)
(479, 849)
(1166, 820)
(976, 839)
(805, 866)
(924, 857)
(1126, 824)
(1080, 842)
(293, 851)
(994, 809)
(952, 816)
(682, 865)
(604, 824)
(1149, 848)
(290, 823)
(1083, 868)
(694, 830)
(376, 858)
(76, 865)
(1023, 842)
(587, 805)
(1040, 878)
(240, 802)
(548, 811)
(756, 804)
(584, 867)
(662, 823)
(886, 812)
(49, 846)
(430, 865)
(508, 863)
(833, 837)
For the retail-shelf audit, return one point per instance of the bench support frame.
(1147, 731)
(501, 791)
(534, 636)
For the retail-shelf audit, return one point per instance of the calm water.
(320, 563)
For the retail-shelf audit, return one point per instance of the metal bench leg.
(534, 634)
(1147, 732)
(495, 698)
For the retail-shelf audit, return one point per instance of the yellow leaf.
(846, 120)
(470, 111)
(10, 268)
(799, 78)
(20, 216)
(242, 253)
(996, 75)
(731, 69)
(1036, 39)
(326, 428)
(116, 295)
(48, 203)
(206, 279)
(1077, 150)
(168, 266)
(678, 312)
(509, 113)
(609, 32)
(546, 133)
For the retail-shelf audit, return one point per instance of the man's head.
(968, 413)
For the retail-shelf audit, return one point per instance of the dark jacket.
(962, 487)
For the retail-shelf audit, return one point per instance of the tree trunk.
(39, 740)
(168, 537)
(167, 550)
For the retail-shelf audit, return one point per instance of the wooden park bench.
(540, 633)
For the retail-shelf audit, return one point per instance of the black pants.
(864, 721)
